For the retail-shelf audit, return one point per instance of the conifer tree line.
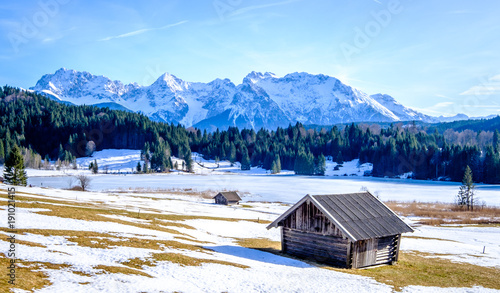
(393, 151)
(46, 130)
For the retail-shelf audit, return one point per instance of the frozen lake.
(283, 188)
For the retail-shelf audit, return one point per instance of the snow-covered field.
(119, 235)
(126, 217)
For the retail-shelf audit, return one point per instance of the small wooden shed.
(227, 198)
(345, 230)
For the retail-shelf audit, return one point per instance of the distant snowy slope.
(261, 100)
(404, 113)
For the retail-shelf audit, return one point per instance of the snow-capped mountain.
(261, 100)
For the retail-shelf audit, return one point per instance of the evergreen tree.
(491, 166)
(245, 159)
(496, 141)
(232, 153)
(138, 167)
(304, 164)
(93, 167)
(268, 160)
(60, 153)
(145, 168)
(465, 196)
(339, 160)
(320, 165)
(2, 153)
(189, 160)
(14, 168)
(276, 165)
(159, 158)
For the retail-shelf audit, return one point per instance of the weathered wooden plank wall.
(321, 248)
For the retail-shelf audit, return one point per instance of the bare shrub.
(83, 181)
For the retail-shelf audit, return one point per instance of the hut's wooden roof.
(359, 216)
(230, 195)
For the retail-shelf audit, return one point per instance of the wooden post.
(354, 252)
(398, 239)
(348, 263)
(283, 247)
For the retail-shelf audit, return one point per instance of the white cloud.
(254, 7)
(495, 78)
(141, 31)
(486, 88)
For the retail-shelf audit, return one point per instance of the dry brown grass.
(422, 270)
(193, 240)
(23, 242)
(185, 260)
(443, 213)
(120, 270)
(29, 276)
(262, 244)
(181, 259)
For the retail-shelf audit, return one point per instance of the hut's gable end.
(308, 218)
(220, 199)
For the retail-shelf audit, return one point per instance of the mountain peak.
(171, 81)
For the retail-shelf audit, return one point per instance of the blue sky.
(439, 57)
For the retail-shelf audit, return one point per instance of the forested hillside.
(474, 125)
(58, 131)
(52, 130)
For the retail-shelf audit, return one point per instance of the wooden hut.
(227, 198)
(346, 230)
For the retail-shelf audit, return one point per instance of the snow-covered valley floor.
(255, 184)
(71, 241)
